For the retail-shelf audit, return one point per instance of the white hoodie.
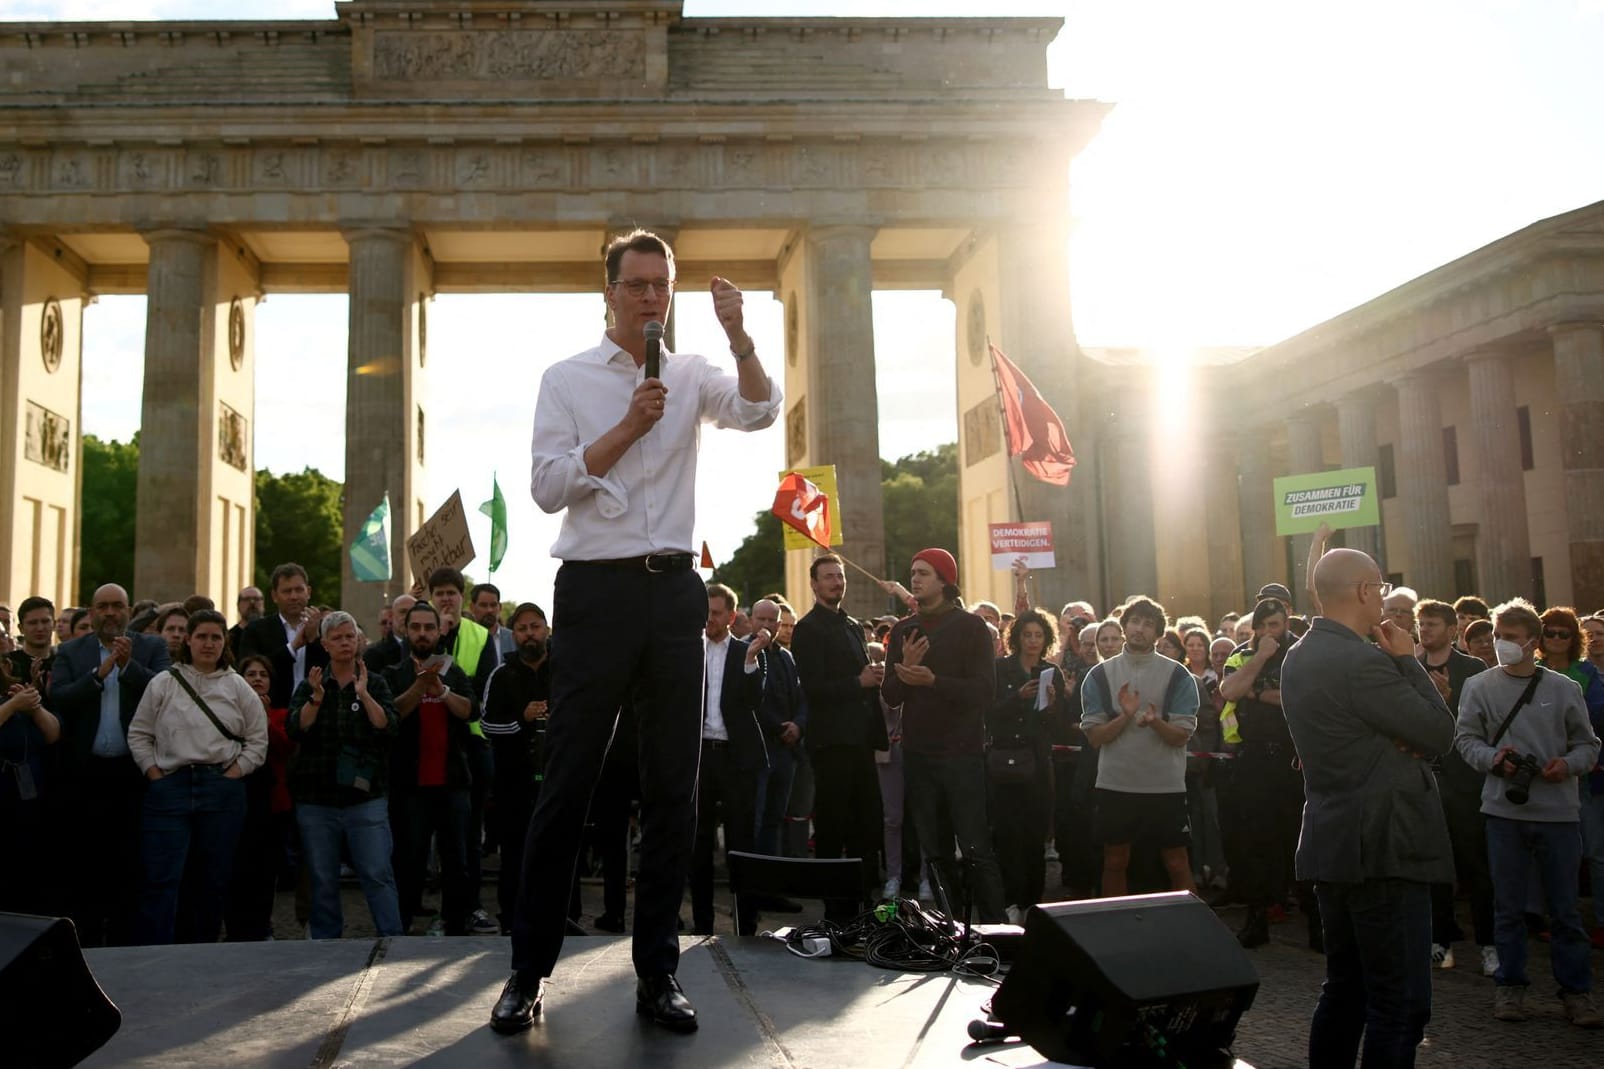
(169, 730)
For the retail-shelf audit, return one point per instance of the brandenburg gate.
(405, 148)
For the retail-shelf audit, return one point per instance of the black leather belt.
(715, 744)
(655, 563)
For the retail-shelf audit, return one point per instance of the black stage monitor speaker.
(1147, 979)
(52, 1012)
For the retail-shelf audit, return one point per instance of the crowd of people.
(165, 772)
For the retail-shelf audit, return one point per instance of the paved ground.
(1275, 1032)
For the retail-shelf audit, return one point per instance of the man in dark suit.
(391, 649)
(786, 705)
(96, 683)
(845, 726)
(1366, 720)
(289, 638)
(735, 753)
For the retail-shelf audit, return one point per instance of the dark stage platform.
(424, 1001)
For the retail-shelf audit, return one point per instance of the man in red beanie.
(943, 675)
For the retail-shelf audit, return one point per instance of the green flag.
(370, 553)
(496, 509)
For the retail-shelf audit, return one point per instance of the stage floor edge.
(426, 1002)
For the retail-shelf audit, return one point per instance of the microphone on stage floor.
(654, 349)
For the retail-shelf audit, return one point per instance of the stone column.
(1305, 456)
(169, 541)
(382, 447)
(41, 314)
(843, 406)
(1127, 498)
(1423, 486)
(1579, 392)
(1356, 429)
(1503, 544)
(1035, 330)
(1255, 495)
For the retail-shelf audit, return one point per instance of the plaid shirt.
(341, 721)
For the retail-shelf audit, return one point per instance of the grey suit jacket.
(1371, 809)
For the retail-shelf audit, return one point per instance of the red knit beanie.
(942, 562)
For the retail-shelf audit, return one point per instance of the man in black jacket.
(845, 727)
(516, 702)
(289, 637)
(735, 752)
(96, 682)
(390, 649)
(429, 774)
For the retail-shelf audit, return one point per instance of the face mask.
(1508, 652)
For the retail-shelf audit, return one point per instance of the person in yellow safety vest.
(465, 640)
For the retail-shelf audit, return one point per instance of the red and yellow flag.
(803, 507)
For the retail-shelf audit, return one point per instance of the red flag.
(803, 506)
(707, 557)
(1035, 433)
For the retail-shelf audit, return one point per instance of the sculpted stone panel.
(48, 438)
(982, 432)
(231, 429)
(511, 55)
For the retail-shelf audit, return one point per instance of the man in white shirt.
(616, 451)
(736, 741)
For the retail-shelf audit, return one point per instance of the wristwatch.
(742, 356)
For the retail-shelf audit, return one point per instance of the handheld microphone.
(654, 349)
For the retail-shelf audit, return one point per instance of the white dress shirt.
(299, 653)
(647, 502)
(717, 655)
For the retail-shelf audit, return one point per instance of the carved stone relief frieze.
(508, 55)
(796, 432)
(231, 438)
(982, 434)
(47, 438)
(52, 334)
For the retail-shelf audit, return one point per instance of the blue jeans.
(1556, 848)
(191, 816)
(366, 829)
(1378, 974)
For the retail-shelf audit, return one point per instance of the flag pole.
(1002, 414)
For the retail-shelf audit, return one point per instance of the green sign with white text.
(1346, 498)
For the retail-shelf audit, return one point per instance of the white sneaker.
(1489, 961)
(1052, 851)
(893, 888)
(1016, 916)
(1442, 957)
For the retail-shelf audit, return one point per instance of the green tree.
(298, 519)
(920, 496)
(111, 486)
(921, 509)
(758, 565)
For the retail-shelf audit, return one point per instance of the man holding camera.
(1527, 729)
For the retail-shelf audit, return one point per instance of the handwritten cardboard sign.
(442, 542)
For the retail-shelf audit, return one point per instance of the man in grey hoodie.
(1519, 713)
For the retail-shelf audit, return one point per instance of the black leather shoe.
(660, 998)
(609, 922)
(1255, 930)
(518, 1005)
(776, 904)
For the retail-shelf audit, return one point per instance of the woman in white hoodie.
(199, 730)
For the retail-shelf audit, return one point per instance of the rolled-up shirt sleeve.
(724, 407)
(558, 476)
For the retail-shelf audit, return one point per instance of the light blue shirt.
(110, 740)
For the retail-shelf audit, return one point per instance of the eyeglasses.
(637, 287)
(1386, 588)
(1554, 632)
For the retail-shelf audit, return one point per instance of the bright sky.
(1267, 166)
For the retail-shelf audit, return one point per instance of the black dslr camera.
(1520, 780)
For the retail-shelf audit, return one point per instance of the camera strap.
(1521, 703)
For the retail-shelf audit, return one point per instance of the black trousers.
(725, 794)
(609, 829)
(1269, 803)
(950, 793)
(618, 634)
(847, 816)
(1019, 822)
(248, 912)
(107, 799)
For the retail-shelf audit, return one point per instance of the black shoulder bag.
(218, 724)
(1520, 703)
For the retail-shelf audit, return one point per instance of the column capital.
(166, 232)
(1364, 396)
(1415, 378)
(354, 232)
